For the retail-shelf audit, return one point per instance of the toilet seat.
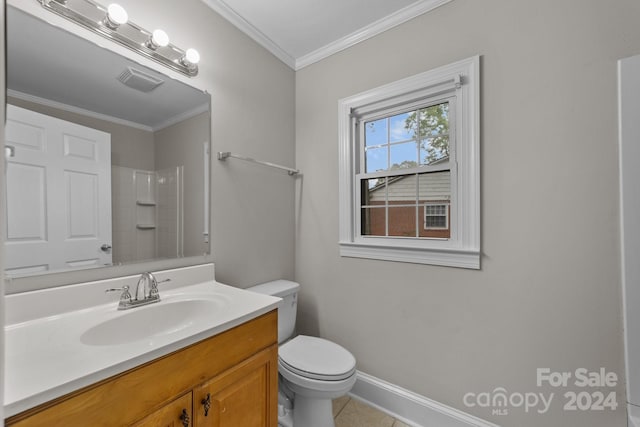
(316, 358)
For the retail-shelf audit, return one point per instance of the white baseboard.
(633, 415)
(409, 407)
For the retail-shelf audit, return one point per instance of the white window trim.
(463, 248)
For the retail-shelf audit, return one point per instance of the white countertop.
(45, 357)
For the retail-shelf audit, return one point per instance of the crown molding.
(76, 110)
(401, 16)
(88, 113)
(181, 117)
(246, 27)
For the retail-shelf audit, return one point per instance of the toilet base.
(312, 399)
(308, 412)
(285, 417)
(312, 412)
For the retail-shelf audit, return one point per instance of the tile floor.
(351, 413)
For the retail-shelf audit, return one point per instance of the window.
(406, 160)
(436, 217)
(409, 169)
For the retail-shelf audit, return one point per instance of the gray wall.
(548, 293)
(182, 145)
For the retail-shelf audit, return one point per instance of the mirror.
(108, 160)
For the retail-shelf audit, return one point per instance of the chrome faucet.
(148, 282)
(146, 292)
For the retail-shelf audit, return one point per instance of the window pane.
(402, 198)
(377, 159)
(434, 133)
(414, 205)
(403, 156)
(436, 216)
(434, 120)
(434, 187)
(401, 127)
(374, 222)
(403, 189)
(434, 150)
(402, 221)
(436, 210)
(435, 222)
(375, 133)
(373, 191)
(434, 198)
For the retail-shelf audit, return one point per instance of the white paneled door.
(58, 194)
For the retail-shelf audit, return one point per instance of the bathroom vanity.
(217, 367)
(227, 380)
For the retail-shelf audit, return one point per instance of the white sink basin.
(152, 321)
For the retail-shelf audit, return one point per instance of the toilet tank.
(288, 307)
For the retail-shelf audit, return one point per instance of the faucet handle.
(154, 286)
(126, 296)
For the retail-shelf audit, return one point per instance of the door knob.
(105, 248)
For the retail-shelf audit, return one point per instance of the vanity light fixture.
(158, 39)
(113, 23)
(116, 16)
(190, 58)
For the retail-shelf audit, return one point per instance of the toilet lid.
(317, 358)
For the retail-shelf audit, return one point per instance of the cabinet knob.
(206, 402)
(184, 417)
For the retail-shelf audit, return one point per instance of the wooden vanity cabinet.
(176, 414)
(234, 374)
(236, 397)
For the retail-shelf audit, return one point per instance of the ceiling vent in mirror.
(139, 80)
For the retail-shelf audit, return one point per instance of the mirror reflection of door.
(58, 194)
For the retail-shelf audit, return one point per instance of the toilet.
(312, 371)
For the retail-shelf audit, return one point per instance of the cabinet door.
(176, 414)
(245, 395)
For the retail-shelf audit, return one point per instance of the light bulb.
(116, 16)
(192, 56)
(159, 38)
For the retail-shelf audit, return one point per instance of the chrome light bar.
(112, 22)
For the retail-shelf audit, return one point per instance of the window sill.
(443, 257)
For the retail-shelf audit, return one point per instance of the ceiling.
(82, 78)
(301, 32)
